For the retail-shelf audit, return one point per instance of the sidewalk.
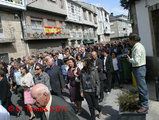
(109, 105)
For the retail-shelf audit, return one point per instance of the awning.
(88, 42)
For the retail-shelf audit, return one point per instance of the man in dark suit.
(107, 70)
(83, 53)
(54, 107)
(58, 61)
(98, 64)
(56, 78)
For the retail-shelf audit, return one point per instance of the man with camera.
(138, 61)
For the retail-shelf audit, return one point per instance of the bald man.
(99, 65)
(55, 108)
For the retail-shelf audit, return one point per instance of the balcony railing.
(31, 33)
(76, 35)
(88, 36)
(7, 36)
(18, 4)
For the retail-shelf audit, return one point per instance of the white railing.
(31, 33)
(18, 4)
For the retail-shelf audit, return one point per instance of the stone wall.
(12, 30)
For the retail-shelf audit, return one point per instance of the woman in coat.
(73, 78)
(90, 87)
(5, 95)
(41, 76)
(27, 83)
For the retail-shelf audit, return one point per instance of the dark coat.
(60, 62)
(84, 55)
(67, 113)
(100, 68)
(56, 80)
(94, 79)
(109, 65)
(5, 94)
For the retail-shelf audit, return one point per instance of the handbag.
(77, 79)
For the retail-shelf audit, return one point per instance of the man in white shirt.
(138, 61)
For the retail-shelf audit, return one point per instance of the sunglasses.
(37, 69)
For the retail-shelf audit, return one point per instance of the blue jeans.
(139, 74)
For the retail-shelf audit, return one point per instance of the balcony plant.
(128, 105)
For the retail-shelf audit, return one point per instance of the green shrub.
(129, 101)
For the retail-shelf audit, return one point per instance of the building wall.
(74, 12)
(144, 24)
(120, 29)
(44, 17)
(12, 29)
(45, 45)
(48, 5)
(144, 27)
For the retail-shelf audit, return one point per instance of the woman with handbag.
(90, 87)
(27, 83)
(73, 78)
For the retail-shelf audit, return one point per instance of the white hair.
(43, 89)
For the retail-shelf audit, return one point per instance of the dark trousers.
(108, 81)
(92, 101)
(115, 78)
(101, 89)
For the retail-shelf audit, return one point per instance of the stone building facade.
(81, 23)
(11, 40)
(44, 26)
(120, 26)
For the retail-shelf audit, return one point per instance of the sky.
(108, 5)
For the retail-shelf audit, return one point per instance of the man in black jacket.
(107, 70)
(54, 108)
(56, 78)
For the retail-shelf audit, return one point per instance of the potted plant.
(128, 105)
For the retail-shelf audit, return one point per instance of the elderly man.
(138, 61)
(55, 108)
(56, 79)
(99, 65)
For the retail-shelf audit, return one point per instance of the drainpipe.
(25, 42)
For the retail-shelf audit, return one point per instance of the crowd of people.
(87, 71)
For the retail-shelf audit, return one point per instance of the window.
(84, 15)
(36, 24)
(77, 28)
(1, 29)
(95, 19)
(90, 17)
(72, 8)
(16, 1)
(61, 3)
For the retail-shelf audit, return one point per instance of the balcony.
(17, 4)
(31, 33)
(89, 36)
(7, 36)
(76, 35)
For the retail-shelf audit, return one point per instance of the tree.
(124, 3)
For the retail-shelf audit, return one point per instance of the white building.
(103, 29)
(120, 26)
(81, 23)
(147, 17)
